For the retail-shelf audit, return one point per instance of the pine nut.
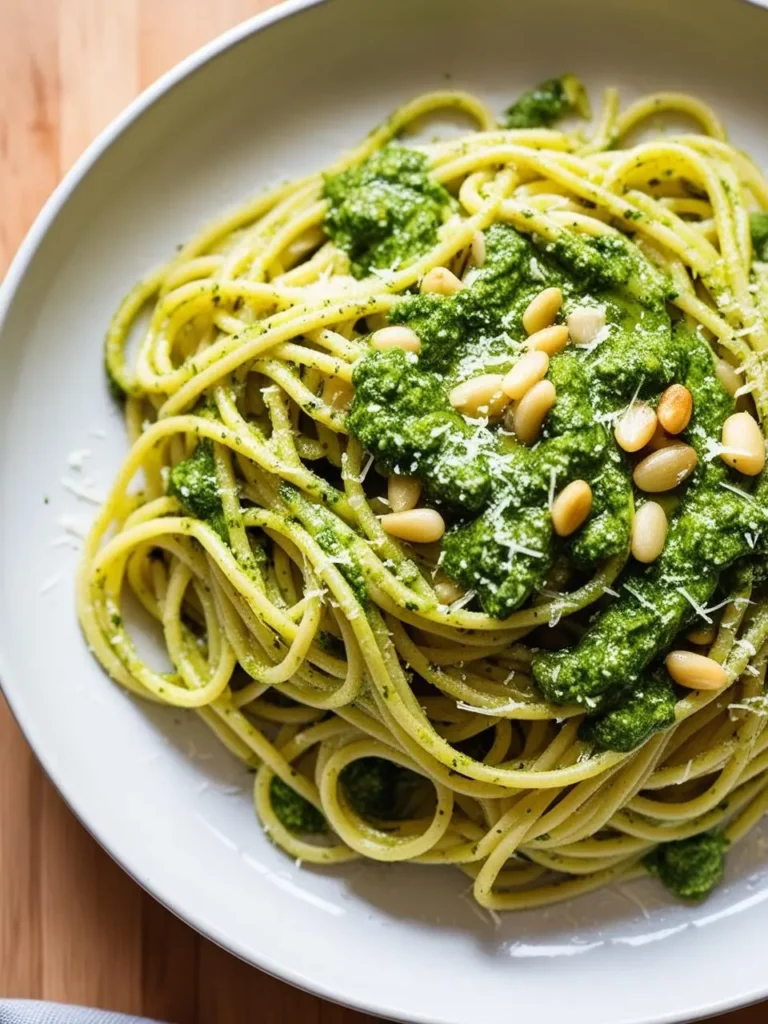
(662, 470)
(675, 408)
(728, 377)
(403, 492)
(571, 507)
(532, 410)
(526, 372)
(477, 249)
(743, 444)
(550, 340)
(541, 312)
(660, 439)
(447, 591)
(480, 396)
(702, 637)
(636, 427)
(418, 525)
(695, 671)
(396, 337)
(649, 532)
(337, 393)
(440, 281)
(585, 323)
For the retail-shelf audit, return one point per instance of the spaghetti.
(321, 650)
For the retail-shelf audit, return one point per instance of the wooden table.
(73, 927)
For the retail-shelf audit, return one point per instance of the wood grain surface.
(73, 926)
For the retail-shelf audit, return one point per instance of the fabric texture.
(30, 1011)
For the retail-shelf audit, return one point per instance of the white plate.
(280, 96)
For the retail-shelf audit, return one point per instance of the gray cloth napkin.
(30, 1011)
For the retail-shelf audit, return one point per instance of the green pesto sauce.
(338, 551)
(332, 536)
(297, 814)
(643, 713)
(545, 104)
(495, 492)
(386, 212)
(713, 528)
(758, 226)
(116, 389)
(690, 868)
(193, 483)
(378, 788)
(330, 644)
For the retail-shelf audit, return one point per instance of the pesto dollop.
(646, 711)
(378, 788)
(716, 524)
(496, 492)
(690, 868)
(547, 103)
(193, 483)
(385, 212)
(297, 814)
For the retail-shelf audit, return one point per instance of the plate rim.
(9, 286)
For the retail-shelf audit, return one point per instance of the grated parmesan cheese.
(497, 712)
(50, 583)
(694, 604)
(83, 491)
(76, 458)
(639, 597)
